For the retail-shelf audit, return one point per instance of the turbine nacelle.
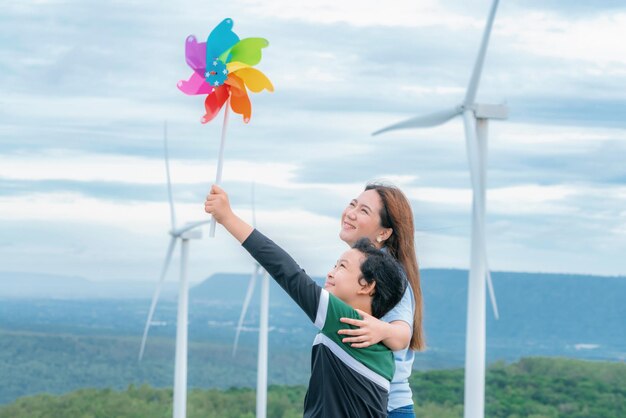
(190, 230)
(490, 111)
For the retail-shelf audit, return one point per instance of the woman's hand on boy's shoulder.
(370, 331)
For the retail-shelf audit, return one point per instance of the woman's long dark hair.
(396, 213)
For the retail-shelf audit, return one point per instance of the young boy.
(345, 382)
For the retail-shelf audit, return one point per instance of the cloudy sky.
(86, 87)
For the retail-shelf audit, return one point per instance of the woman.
(383, 214)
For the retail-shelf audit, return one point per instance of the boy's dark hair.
(383, 269)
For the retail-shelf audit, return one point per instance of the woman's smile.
(347, 225)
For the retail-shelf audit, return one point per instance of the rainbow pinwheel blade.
(195, 85)
(214, 103)
(195, 54)
(248, 50)
(239, 100)
(254, 79)
(221, 39)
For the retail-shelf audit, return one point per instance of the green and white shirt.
(345, 382)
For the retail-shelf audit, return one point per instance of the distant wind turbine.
(184, 233)
(261, 381)
(475, 119)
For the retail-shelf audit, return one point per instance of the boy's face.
(343, 280)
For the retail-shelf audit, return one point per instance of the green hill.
(532, 387)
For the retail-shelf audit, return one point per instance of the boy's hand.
(217, 204)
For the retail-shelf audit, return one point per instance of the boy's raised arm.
(302, 289)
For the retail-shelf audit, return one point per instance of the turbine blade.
(155, 296)
(472, 87)
(246, 303)
(492, 294)
(169, 181)
(432, 119)
(469, 125)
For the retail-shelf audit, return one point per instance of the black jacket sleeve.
(302, 289)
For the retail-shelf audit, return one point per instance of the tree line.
(531, 387)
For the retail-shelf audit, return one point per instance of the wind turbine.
(261, 380)
(185, 233)
(475, 118)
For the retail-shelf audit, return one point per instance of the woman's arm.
(394, 329)
(396, 335)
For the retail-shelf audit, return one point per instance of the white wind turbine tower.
(185, 233)
(261, 380)
(475, 118)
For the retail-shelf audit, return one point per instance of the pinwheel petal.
(214, 103)
(248, 50)
(195, 85)
(240, 102)
(235, 82)
(195, 54)
(225, 56)
(235, 66)
(254, 79)
(221, 39)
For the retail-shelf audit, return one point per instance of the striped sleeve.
(311, 298)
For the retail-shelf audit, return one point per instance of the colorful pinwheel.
(222, 69)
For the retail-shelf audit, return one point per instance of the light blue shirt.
(400, 393)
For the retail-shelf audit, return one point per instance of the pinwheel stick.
(220, 159)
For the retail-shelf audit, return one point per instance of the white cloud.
(553, 138)
(71, 207)
(64, 165)
(620, 225)
(435, 250)
(362, 12)
(84, 110)
(427, 91)
(595, 39)
(529, 199)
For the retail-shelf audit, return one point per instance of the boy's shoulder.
(335, 310)
(377, 357)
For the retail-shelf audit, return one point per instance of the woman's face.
(361, 218)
